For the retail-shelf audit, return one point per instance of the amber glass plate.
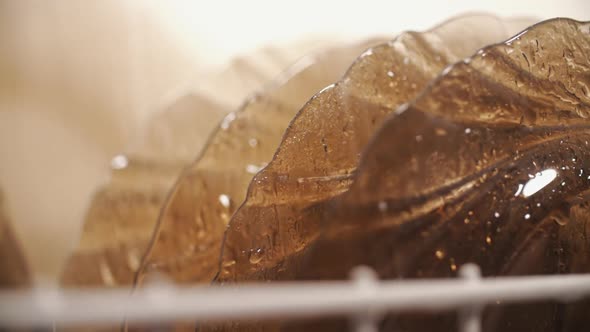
(320, 150)
(489, 165)
(187, 241)
(121, 218)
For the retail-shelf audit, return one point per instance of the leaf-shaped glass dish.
(321, 147)
(489, 165)
(187, 240)
(120, 221)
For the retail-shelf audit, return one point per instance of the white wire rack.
(364, 298)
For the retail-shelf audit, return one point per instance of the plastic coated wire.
(364, 299)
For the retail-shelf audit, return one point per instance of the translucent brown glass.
(490, 165)
(187, 241)
(321, 147)
(122, 215)
(13, 269)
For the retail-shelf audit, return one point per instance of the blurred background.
(79, 81)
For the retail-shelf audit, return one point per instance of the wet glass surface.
(188, 240)
(493, 170)
(321, 148)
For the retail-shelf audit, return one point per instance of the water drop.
(119, 162)
(227, 120)
(225, 200)
(446, 70)
(229, 263)
(390, 73)
(467, 130)
(496, 214)
(331, 86)
(439, 254)
(253, 142)
(256, 256)
(527, 216)
(382, 206)
(440, 132)
(488, 240)
(252, 169)
(519, 190)
(366, 53)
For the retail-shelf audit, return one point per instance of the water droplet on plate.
(519, 190)
(366, 53)
(225, 200)
(229, 263)
(440, 132)
(119, 162)
(252, 169)
(256, 256)
(253, 142)
(227, 120)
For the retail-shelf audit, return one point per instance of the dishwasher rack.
(364, 298)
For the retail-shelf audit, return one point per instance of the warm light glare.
(540, 181)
